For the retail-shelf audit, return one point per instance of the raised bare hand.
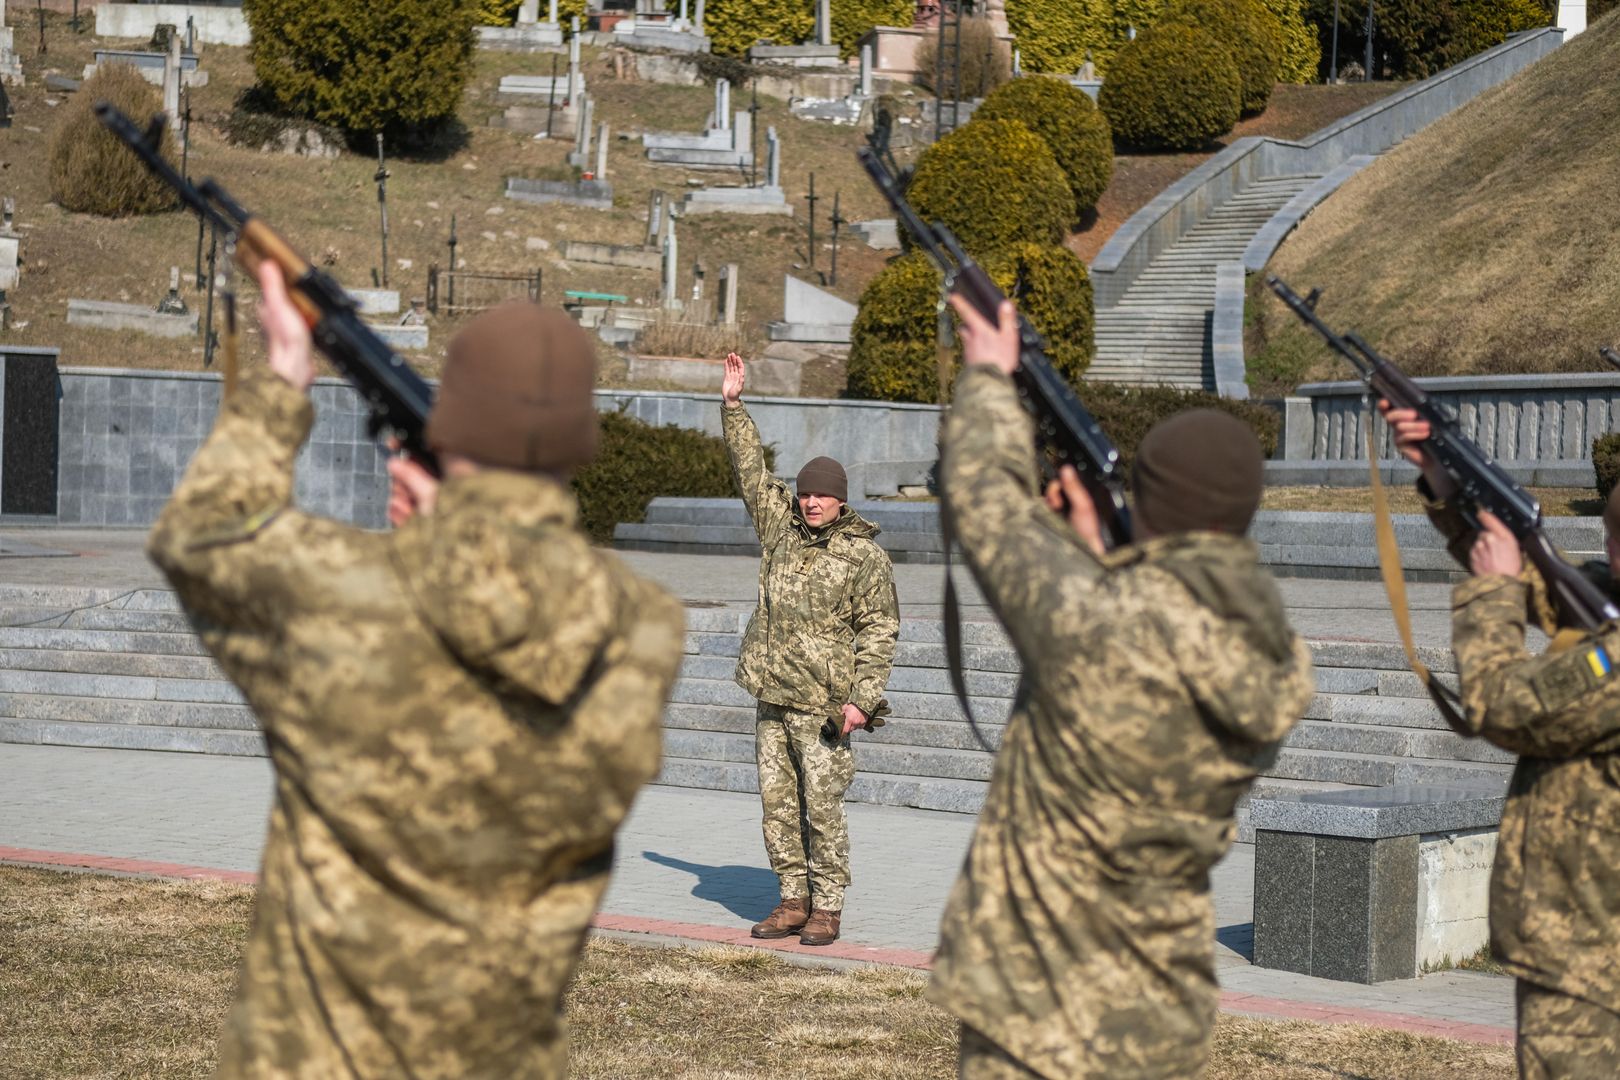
(1081, 512)
(984, 342)
(1411, 431)
(731, 387)
(284, 329)
(1496, 550)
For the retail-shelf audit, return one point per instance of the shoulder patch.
(1572, 675)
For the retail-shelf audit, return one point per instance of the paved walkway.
(691, 864)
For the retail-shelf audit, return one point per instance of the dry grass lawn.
(120, 977)
(1484, 244)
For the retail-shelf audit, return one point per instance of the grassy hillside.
(1485, 244)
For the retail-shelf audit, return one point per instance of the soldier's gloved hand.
(854, 719)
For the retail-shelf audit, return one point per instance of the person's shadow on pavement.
(749, 892)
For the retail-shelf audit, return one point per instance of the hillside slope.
(1485, 244)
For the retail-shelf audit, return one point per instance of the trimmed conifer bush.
(637, 462)
(735, 26)
(1128, 413)
(91, 171)
(1174, 88)
(504, 12)
(1054, 35)
(995, 183)
(892, 352)
(1606, 462)
(1250, 33)
(363, 67)
(1301, 55)
(1073, 127)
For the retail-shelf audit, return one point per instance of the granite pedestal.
(1369, 884)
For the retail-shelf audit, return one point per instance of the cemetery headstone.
(668, 294)
(10, 63)
(601, 151)
(811, 314)
(172, 304)
(728, 294)
(763, 199)
(10, 247)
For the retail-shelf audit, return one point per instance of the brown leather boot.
(822, 929)
(788, 917)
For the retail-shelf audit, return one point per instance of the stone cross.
(865, 85)
(683, 13)
(1017, 64)
(582, 136)
(551, 12)
(697, 18)
(728, 294)
(171, 80)
(823, 22)
(528, 13)
(655, 217)
(722, 104)
(601, 151)
(773, 159)
(671, 267)
(573, 60)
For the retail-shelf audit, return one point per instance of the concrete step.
(1400, 742)
(118, 712)
(83, 640)
(133, 737)
(1378, 770)
(110, 663)
(122, 687)
(1370, 709)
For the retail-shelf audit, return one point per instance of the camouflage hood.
(477, 570)
(1223, 574)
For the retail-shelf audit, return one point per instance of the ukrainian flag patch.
(1598, 660)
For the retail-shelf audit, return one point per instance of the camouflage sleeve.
(1557, 705)
(768, 501)
(208, 539)
(877, 627)
(1012, 540)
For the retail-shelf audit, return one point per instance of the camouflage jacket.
(1555, 887)
(459, 714)
(1157, 683)
(824, 631)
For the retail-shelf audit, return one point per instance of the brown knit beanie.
(823, 476)
(1199, 469)
(516, 391)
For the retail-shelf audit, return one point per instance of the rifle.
(1482, 484)
(1063, 425)
(399, 398)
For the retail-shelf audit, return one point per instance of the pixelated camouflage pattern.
(458, 715)
(803, 776)
(824, 631)
(1157, 684)
(977, 1058)
(1555, 886)
(1565, 1038)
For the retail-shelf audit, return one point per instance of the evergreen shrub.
(1127, 413)
(735, 26)
(364, 67)
(1174, 88)
(1051, 287)
(637, 462)
(91, 171)
(1073, 127)
(1606, 462)
(1248, 32)
(995, 183)
(1054, 35)
(851, 19)
(1301, 56)
(504, 12)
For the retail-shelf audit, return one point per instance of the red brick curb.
(1231, 1001)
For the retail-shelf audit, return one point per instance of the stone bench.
(1369, 884)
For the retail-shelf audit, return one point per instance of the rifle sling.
(1389, 565)
(953, 634)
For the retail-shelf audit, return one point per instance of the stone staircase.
(88, 668)
(1159, 330)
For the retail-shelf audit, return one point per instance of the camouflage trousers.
(980, 1059)
(802, 780)
(1565, 1038)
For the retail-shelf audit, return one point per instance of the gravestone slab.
(622, 255)
(736, 200)
(376, 301)
(596, 194)
(106, 315)
(765, 377)
(811, 314)
(883, 234)
(410, 337)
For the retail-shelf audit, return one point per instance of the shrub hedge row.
(637, 462)
(1249, 33)
(1126, 413)
(1074, 129)
(1606, 462)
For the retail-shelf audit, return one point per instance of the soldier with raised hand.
(458, 712)
(1555, 887)
(1158, 681)
(816, 655)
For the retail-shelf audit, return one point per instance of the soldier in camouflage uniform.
(1158, 681)
(816, 655)
(459, 713)
(1555, 888)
